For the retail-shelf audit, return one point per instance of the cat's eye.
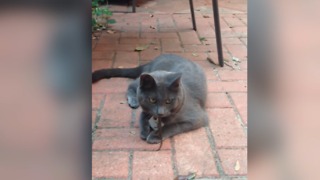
(152, 100)
(168, 101)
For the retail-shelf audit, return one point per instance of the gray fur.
(169, 77)
(186, 112)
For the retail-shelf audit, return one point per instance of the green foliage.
(100, 15)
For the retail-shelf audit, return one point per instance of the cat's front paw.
(133, 102)
(153, 138)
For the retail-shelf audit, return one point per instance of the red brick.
(129, 35)
(240, 100)
(189, 37)
(193, 154)
(110, 164)
(115, 47)
(102, 55)
(197, 48)
(150, 53)
(243, 65)
(234, 22)
(226, 129)
(108, 40)
(245, 41)
(101, 64)
(152, 165)
(96, 100)
(114, 85)
(126, 60)
(115, 112)
(232, 40)
(165, 21)
(229, 158)
(233, 75)
(217, 100)
(171, 45)
(99, 87)
(206, 32)
(138, 41)
(124, 139)
(197, 56)
(161, 35)
(240, 29)
(238, 51)
(216, 86)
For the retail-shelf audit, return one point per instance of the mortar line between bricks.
(173, 158)
(133, 117)
(235, 109)
(98, 118)
(130, 165)
(215, 153)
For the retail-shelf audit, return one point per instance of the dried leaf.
(111, 31)
(156, 48)
(152, 27)
(194, 54)
(202, 39)
(141, 48)
(122, 102)
(151, 15)
(132, 132)
(237, 166)
(235, 59)
(206, 16)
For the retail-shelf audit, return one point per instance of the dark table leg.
(192, 15)
(134, 2)
(218, 32)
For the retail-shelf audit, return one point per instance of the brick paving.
(218, 151)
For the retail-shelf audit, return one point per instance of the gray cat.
(170, 88)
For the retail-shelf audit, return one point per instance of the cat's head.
(160, 93)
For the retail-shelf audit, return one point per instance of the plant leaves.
(141, 48)
(111, 21)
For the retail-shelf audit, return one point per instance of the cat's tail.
(131, 73)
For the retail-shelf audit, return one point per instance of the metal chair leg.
(218, 32)
(192, 15)
(134, 3)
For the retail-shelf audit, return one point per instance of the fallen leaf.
(151, 15)
(237, 166)
(152, 27)
(141, 48)
(132, 132)
(235, 59)
(155, 48)
(202, 39)
(111, 31)
(205, 16)
(122, 102)
(194, 54)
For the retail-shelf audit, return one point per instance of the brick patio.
(218, 151)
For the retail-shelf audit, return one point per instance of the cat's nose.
(160, 112)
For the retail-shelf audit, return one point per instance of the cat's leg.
(177, 128)
(132, 95)
(144, 125)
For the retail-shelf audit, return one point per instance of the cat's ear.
(175, 81)
(147, 81)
